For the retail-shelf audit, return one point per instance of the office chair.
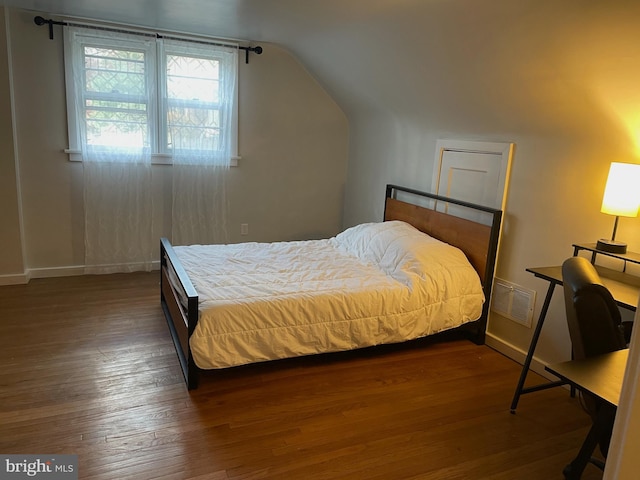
(595, 327)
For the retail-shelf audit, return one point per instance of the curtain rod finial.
(38, 20)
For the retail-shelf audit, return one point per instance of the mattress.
(372, 284)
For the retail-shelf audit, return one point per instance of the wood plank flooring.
(88, 368)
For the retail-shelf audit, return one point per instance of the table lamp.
(622, 199)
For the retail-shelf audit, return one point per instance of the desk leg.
(532, 347)
(604, 421)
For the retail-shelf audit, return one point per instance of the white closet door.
(475, 172)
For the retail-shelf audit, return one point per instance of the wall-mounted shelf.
(632, 257)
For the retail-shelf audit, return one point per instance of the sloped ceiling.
(392, 55)
(451, 63)
(308, 29)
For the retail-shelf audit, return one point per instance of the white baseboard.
(70, 271)
(17, 279)
(56, 272)
(518, 355)
(122, 268)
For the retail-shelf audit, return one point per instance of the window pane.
(193, 128)
(192, 78)
(114, 71)
(193, 119)
(115, 92)
(116, 127)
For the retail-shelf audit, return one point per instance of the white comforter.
(372, 284)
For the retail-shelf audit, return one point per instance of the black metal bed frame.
(181, 307)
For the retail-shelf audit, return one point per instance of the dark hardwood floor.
(88, 368)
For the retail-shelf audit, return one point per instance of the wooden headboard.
(478, 241)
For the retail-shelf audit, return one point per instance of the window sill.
(156, 158)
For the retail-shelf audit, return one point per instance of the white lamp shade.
(622, 193)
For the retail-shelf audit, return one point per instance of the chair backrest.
(592, 314)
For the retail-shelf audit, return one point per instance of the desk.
(601, 376)
(625, 289)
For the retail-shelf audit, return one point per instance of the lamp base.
(611, 246)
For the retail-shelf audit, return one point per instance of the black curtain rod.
(38, 20)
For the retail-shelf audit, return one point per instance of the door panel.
(475, 172)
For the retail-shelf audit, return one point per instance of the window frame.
(156, 52)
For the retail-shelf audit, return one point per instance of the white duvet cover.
(374, 283)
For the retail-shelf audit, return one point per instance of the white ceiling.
(260, 20)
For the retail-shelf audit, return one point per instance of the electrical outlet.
(244, 229)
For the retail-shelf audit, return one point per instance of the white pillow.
(386, 244)
(403, 252)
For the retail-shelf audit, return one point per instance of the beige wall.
(289, 183)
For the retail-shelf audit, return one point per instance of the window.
(130, 95)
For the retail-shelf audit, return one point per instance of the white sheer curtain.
(118, 216)
(200, 137)
(113, 109)
(130, 96)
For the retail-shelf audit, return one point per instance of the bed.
(374, 283)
